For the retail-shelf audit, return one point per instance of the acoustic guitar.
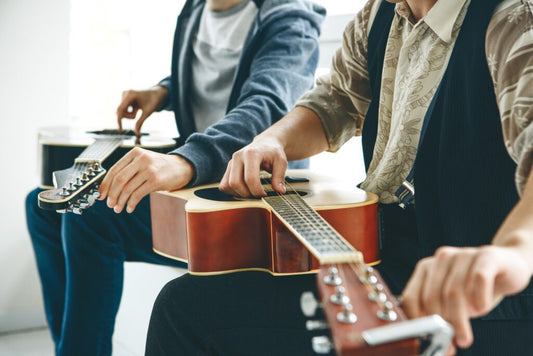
(73, 188)
(320, 224)
(216, 233)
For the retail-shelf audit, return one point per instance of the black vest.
(464, 177)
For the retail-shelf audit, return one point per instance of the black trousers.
(254, 313)
(243, 313)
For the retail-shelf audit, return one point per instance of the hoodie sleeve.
(167, 83)
(281, 70)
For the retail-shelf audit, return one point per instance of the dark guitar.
(73, 188)
(317, 224)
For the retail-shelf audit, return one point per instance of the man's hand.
(463, 283)
(141, 172)
(242, 174)
(298, 135)
(147, 101)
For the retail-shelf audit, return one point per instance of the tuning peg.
(377, 294)
(347, 316)
(387, 313)
(94, 191)
(316, 325)
(333, 278)
(321, 344)
(75, 209)
(83, 203)
(369, 276)
(309, 304)
(339, 297)
(64, 192)
(97, 167)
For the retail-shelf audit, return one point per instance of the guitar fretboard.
(99, 150)
(326, 244)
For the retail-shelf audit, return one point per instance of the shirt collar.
(441, 18)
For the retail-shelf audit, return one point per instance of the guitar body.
(215, 233)
(59, 146)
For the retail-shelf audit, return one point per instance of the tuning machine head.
(321, 345)
(309, 304)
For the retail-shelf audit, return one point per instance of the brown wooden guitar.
(217, 233)
(321, 224)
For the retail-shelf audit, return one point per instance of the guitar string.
(315, 222)
(98, 149)
(355, 267)
(318, 224)
(333, 240)
(352, 265)
(306, 219)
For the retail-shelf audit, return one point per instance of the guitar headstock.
(76, 188)
(364, 318)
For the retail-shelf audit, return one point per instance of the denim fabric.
(80, 260)
(278, 64)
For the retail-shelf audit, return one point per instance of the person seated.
(237, 67)
(440, 92)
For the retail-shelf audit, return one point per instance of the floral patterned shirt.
(416, 57)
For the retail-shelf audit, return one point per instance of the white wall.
(33, 92)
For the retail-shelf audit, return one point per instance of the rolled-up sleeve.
(341, 98)
(509, 49)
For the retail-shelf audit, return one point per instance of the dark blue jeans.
(81, 265)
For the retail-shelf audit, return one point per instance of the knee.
(42, 224)
(173, 297)
(168, 294)
(31, 202)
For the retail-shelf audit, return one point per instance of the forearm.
(300, 133)
(517, 229)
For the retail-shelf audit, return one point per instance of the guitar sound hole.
(217, 195)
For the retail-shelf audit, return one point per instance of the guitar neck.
(99, 150)
(319, 237)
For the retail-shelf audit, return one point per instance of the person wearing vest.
(441, 92)
(237, 67)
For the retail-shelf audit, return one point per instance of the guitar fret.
(309, 225)
(99, 150)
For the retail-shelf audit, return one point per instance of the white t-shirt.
(217, 50)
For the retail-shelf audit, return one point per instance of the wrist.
(161, 94)
(186, 171)
(521, 243)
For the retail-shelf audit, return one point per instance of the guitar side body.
(220, 237)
